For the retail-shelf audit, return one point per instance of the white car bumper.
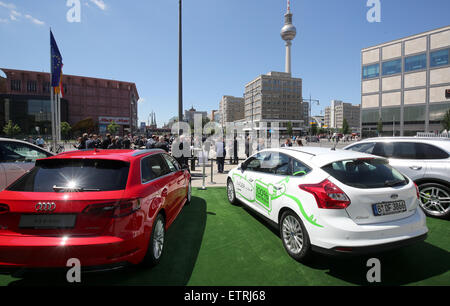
(342, 235)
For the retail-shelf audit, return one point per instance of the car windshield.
(366, 173)
(74, 175)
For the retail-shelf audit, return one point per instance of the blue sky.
(227, 43)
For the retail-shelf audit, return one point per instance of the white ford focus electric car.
(330, 201)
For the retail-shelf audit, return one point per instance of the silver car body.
(425, 160)
(16, 158)
(419, 170)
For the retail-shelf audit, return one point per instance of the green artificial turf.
(213, 243)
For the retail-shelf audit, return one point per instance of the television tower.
(288, 33)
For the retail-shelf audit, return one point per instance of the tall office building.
(275, 96)
(189, 115)
(404, 83)
(338, 111)
(231, 109)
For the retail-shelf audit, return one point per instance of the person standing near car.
(247, 147)
(220, 155)
(106, 142)
(90, 143)
(126, 143)
(235, 151)
(162, 144)
(151, 142)
(40, 142)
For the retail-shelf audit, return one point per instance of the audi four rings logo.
(45, 206)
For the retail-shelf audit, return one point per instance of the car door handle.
(417, 168)
(164, 193)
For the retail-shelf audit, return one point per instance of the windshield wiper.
(394, 183)
(73, 189)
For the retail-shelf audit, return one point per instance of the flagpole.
(58, 122)
(52, 102)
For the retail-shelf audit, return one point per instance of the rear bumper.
(18, 252)
(362, 250)
(342, 235)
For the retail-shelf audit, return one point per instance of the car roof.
(122, 155)
(322, 156)
(404, 138)
(25, 142)
(443, 143)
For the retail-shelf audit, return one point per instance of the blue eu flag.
(56, 62)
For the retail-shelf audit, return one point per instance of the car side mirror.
(242, 167)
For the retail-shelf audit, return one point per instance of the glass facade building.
(403, 84)
(31, 113)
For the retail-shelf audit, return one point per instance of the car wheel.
(189, 194)
(435, 200)
(295, 237)
(156, 244)
(231, 193)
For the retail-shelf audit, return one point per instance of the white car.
(330, 201)
(16, 158)
(425, 160)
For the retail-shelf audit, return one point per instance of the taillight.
(328, 195)
(113, 209)
(4, 209)
(417, 191)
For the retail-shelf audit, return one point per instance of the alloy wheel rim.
(293, 234)
(158, 241)
(230, 191)
(435, 201)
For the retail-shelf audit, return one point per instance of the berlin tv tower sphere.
(288, 32)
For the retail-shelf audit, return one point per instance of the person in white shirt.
(220, 155)
(40, 142)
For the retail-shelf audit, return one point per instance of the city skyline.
(107, 44)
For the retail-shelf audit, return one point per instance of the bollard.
(212, 171)
(204, 174)
(193, 163)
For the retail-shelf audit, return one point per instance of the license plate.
(47, 221)
(389, 208)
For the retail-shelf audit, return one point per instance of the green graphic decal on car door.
(266, 193)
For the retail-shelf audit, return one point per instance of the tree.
(314, 129)
(289, 129)
(446, 121)
(65, 129)
(11, 129)
(113, 128)
(345, 127)
(380, 127)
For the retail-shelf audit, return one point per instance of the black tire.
(431, 204)
(291, 233)
(189, 194)
(151, 258)
(231, 193)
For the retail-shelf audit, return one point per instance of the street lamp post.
(180, 66)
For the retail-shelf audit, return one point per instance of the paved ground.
(213, 243)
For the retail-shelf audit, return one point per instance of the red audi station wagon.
(103, 207)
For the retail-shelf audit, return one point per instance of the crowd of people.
(216, 149)
(108, 142)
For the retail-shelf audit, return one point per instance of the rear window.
(85, 175)
(366, 173)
